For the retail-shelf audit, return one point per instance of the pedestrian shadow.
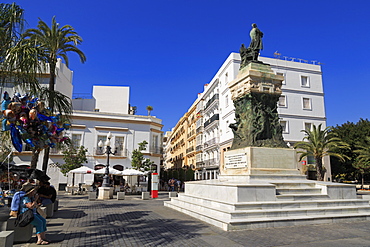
(137, 227)
(69, 214)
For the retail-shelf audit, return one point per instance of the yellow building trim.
(112, 119)
(157, 131)
(78, 126)
(111, 128)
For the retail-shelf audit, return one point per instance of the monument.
(259, 184)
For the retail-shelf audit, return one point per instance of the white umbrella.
(132, 172)
(82, 170)
(111, 171)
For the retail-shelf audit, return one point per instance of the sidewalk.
(136, 222)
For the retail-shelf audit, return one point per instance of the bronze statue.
(251, 53)
(256, 41)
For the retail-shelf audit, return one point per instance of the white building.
(93, 118)
(300, 106)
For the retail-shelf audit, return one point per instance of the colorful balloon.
(16, 138)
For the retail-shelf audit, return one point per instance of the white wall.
(112, 99)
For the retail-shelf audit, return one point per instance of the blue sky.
(166, 50)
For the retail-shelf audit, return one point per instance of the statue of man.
(256, 41)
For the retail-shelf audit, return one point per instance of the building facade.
(300, 106)
(93, 118)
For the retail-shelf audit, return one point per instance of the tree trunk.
(35, 158)
(45, 160)
(362, 181)
(319, 171)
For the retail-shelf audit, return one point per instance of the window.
(282, 74)
(226, 78)
(98, 149)
(120, 144)
(226, 101)
(282, 101)
(76, 140)
(284, 126)
(305, 82)
(307, 104)
(307, 126)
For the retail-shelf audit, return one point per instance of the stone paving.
(135, 222)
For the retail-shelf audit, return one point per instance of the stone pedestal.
(6, 238)
(92, 196)
(21, 234)
(4, 216)
(120, 195)
(256, 162)
(105, 193)
(145, 195)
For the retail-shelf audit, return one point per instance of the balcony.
(122, 153)
(191, 133)
(213, 99)
(119, 153)
(199, 164)
(200, 129)
(212, 119)
(189, 150)
(156, 149)
(199, 148)
(211, 142)
(212, 163)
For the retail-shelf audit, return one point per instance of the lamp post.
(108, 151)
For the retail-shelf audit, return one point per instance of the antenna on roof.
(277, 54)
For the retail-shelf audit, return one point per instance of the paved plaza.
(136, 222)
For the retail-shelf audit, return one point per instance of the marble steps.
(295, 184)
(301, 197)
(285, 191)
(293, 221)
(257, 218)
(277, 177)
(263, 205)
(274, 172)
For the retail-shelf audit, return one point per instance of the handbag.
(24, 219)
(41, 212)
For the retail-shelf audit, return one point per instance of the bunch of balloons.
(28, 120)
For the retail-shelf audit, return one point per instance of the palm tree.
(149, 109)
(54, 42)
(320, 143)
(18, 61)
(362, 163)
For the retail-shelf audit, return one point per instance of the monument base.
(243, 164)
(262, 187)
(105, 193)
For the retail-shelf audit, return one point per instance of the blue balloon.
(16, 138)
(67, 126)
(59, 130)
(5, 125)
(29, 142)
(43, 117)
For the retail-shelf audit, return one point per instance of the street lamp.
(108, 151)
